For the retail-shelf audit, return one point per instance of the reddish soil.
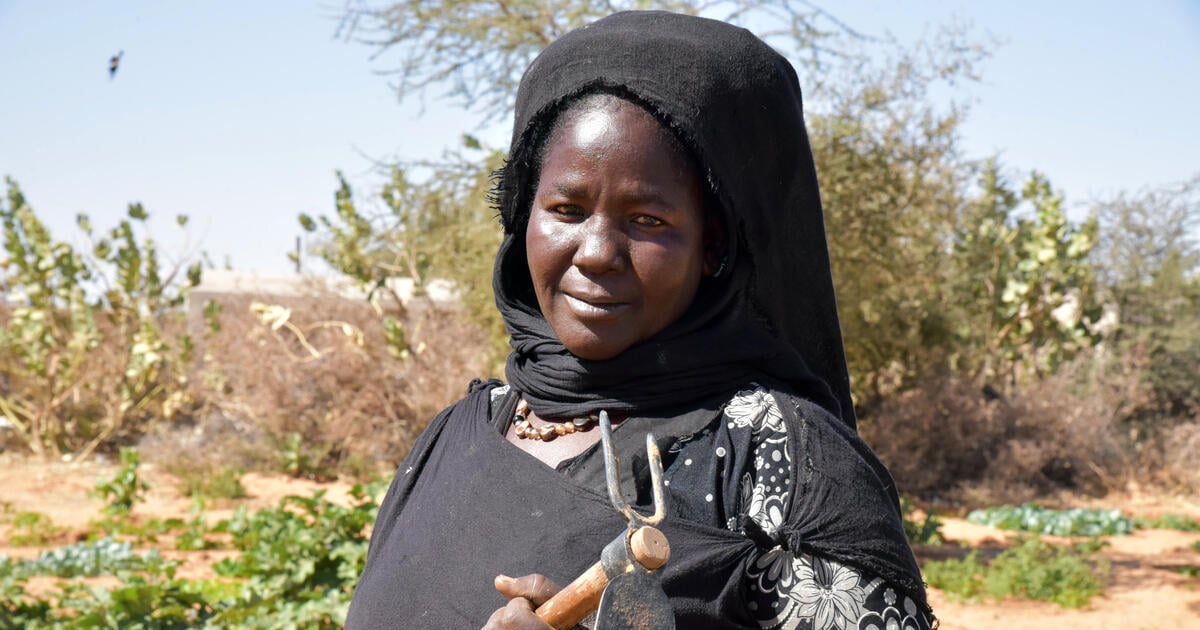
(1146, 589)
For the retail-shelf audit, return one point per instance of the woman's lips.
(594, 307)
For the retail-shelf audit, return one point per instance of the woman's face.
(616, 231)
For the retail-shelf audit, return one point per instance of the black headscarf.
(735, 104)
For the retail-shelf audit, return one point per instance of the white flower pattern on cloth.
(797, 590)
(497, 393)
(755, 408)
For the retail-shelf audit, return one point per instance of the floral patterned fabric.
(789, 590)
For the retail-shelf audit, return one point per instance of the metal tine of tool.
(612, 474)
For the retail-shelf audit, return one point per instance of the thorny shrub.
(950, 438)
(312, 387)
(90, 351)
(1090, 428)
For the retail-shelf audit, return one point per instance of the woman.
(664, 260)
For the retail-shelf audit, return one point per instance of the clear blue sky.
(238, 113)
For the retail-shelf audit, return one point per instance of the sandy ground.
(1145, 590)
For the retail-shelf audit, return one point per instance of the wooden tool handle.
(579, 598)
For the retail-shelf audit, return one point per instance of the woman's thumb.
(535, 587)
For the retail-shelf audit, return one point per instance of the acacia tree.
(476, 50)
(894, 183)
(1149, 261)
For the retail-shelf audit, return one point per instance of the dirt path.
(1144, 591)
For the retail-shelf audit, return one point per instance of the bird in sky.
(113, 63)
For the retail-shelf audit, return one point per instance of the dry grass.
(1085, 430)
(948, 441)
(328, 377)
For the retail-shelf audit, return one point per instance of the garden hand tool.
(624, 586)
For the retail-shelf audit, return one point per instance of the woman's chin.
(597, 353)
(598, 345)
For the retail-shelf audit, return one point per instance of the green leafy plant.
(436, 226)
(296, 567)
(125, 488)
(1033, 569)
(1037, 570)
(148, 595)
(32, 529)
(962, 579)
(195, 534)
(1169, 521)
(926, 531)
(1187, 570)
(207, 482)
(1032, 518)
(1031, 274)
(301, 460)
(87, 559)
(300, 561)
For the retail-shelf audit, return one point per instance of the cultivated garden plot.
(226, 566)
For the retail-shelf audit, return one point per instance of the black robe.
(466, 506)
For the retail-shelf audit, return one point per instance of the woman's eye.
(566, 210)
(648, 221)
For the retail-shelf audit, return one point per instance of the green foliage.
(300, 561)
(436, 227)
(297, 567)
(961, 579)
(1032, 518)
(1169, 521)
(1187, 570)
(32, 529)
(304, 461)
(1037, 570)
(1030, 274)
(891, 181)
(86, 559)
(1149, 258)
(927, 531)
(148, 596)
(83, 350)
(1031, 570)
(212, 483)
(125, 488)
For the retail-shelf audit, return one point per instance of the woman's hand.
(525, 594)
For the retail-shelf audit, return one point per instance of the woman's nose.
(601, 246)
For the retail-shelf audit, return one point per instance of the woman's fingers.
(525, 593)
(534, 587)
(517, 615)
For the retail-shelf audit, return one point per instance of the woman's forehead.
(591, 126)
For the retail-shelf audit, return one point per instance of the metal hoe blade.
(635, 601)
(634, 598)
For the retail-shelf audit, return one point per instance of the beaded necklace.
(526, 431)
